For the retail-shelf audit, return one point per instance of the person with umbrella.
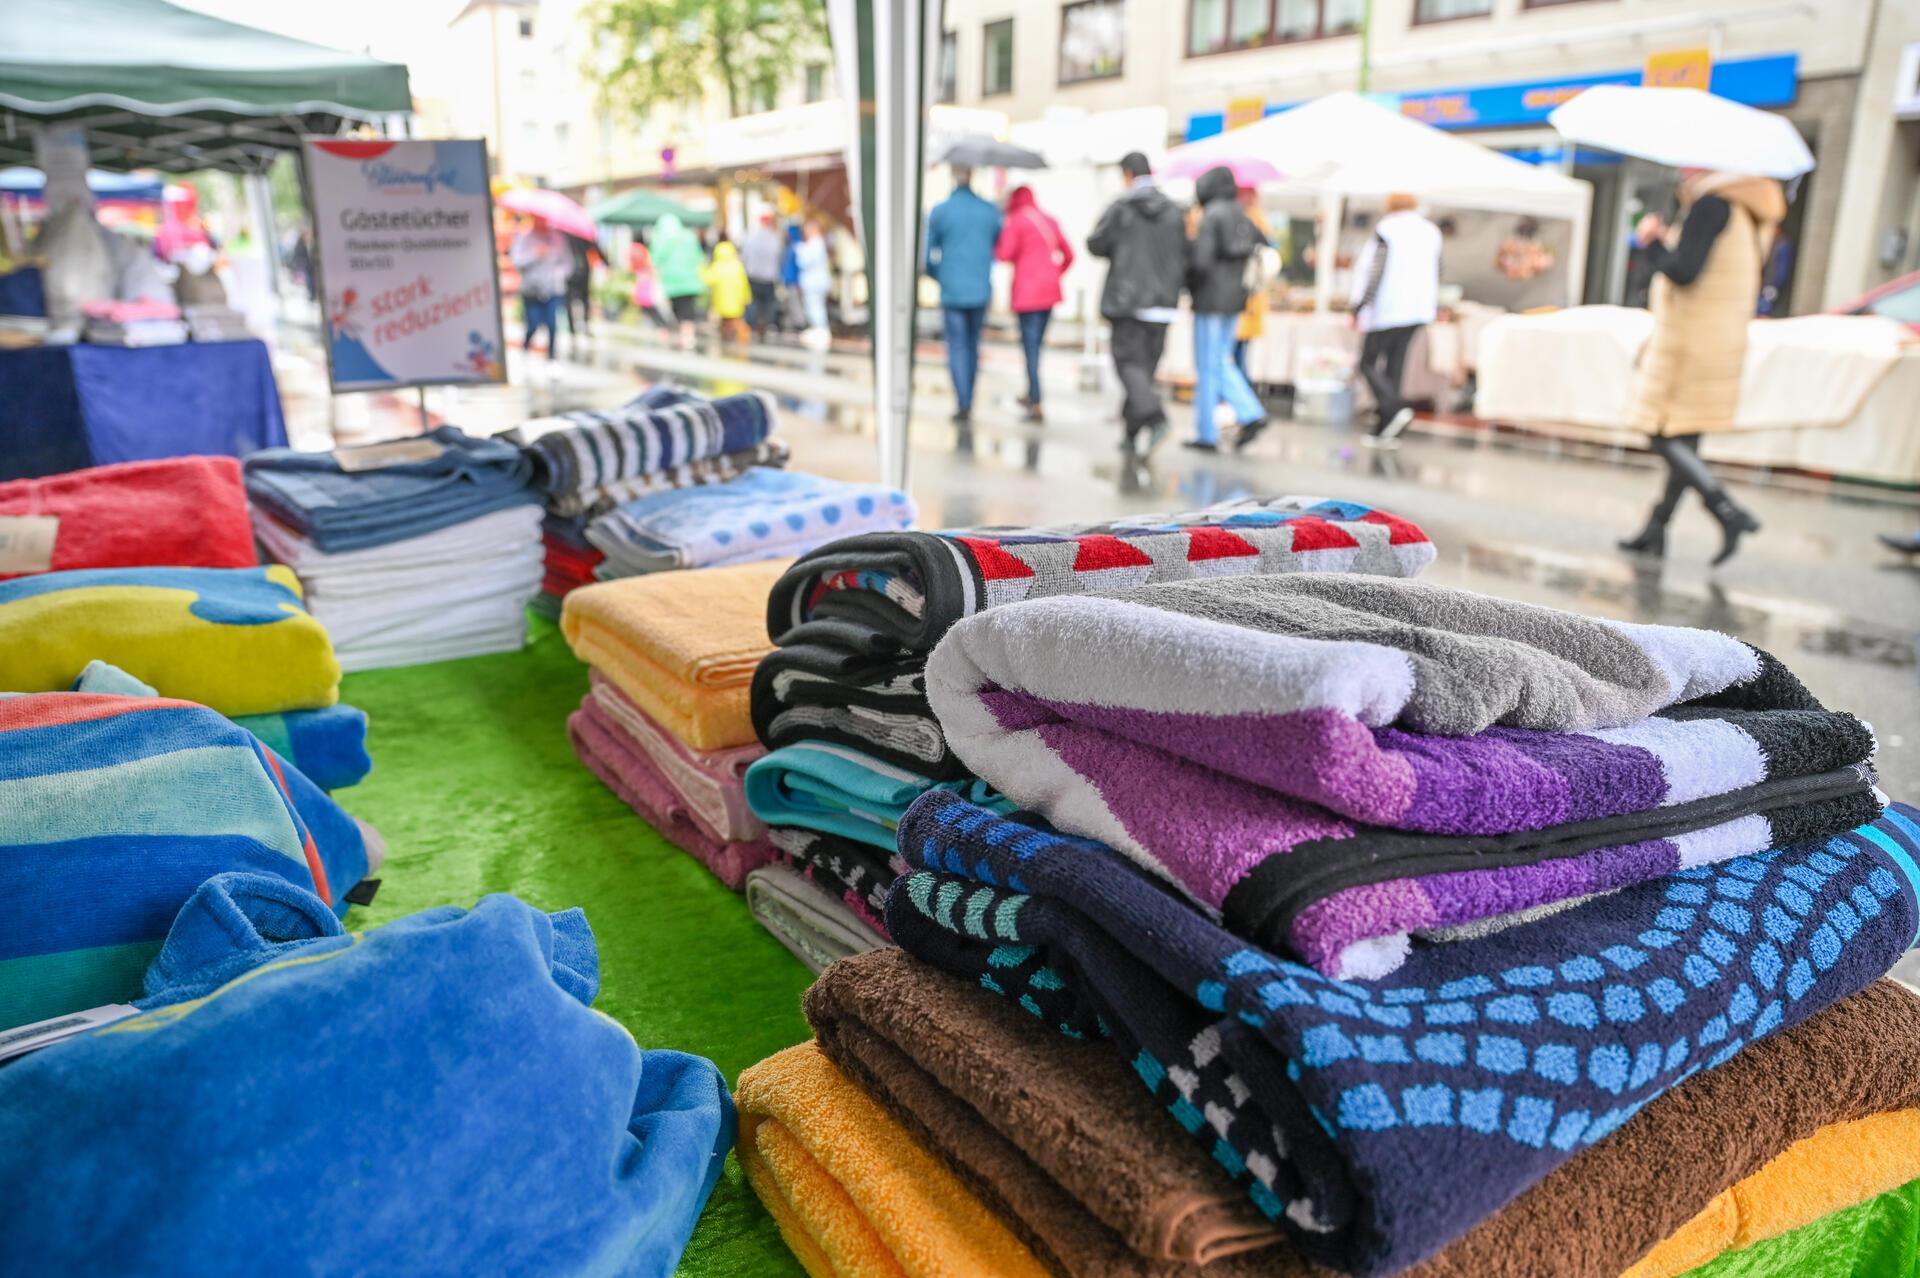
(961, 233)
(1706, 283)
(545, 262)
(1031, 241)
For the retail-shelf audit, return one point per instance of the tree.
(650, 53)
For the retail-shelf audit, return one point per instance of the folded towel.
(852, 1191)
(1055, 1136)
(817, 786)
(1480, 1066)
(763, 514)
(894, 591)
(629, 772)
(432, 1095)
(876, 704)
(580, 459)
(112, 810)
(1881, 1236)
(328, 746)
(859, 874)
(173, 512)
(1238, 763)
(815, 926)
(397, 498)
(681, 646)
(235, 639)
(426, 559)
(710, 782)
(1837, 1167)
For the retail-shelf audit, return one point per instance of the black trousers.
(1137, 347)
(763, 312)
(1383, 362)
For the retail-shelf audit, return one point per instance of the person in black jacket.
(1145, 243)
(1216, 279)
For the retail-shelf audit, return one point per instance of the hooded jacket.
(1039, 253)
(1224, 241)
(1143, 236)
(1704, 294)
(728, 288)
(676, 258)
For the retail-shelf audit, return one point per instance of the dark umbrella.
(981, 152)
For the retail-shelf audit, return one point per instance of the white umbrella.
(1684, 128)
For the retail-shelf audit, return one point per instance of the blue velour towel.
(434, 1096)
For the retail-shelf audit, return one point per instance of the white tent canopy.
(1348, 147)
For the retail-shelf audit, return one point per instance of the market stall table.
(68, 407)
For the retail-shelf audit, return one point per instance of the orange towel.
(1837, 1167)
(682, 645)
(854, 1195)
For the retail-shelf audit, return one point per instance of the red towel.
(174, 512)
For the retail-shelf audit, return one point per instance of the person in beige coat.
(1705, 288)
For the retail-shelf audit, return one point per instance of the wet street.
(1512, 515)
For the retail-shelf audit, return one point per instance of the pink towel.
(631, 775)
(710, 781)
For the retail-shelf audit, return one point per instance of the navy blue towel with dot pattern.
(1380, 1121)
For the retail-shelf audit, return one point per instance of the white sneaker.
(1401, 420)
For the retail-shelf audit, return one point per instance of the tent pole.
(1326, 249)
(901, 33)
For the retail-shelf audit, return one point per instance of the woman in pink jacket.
(1040, 255)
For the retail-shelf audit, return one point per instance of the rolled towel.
(580, 459)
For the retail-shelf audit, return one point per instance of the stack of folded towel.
(586, 463)
(842, 702)
(412, 550)
(665, 720)
(173, 512)
(499, 1124)
(1341, 923)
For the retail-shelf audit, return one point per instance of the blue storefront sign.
(1770, 81)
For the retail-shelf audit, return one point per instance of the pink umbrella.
(1248, 170)
(551, 207)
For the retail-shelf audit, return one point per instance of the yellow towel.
(854, 1195)
(235, 639)
(682, 645)
(1837, 1167)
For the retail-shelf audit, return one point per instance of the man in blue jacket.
(961, 233)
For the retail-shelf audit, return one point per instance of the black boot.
(1652, 540)
(1734, 523)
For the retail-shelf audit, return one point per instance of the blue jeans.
(1217, 377)
(541, 312)
(1033, 336)
(963, 350)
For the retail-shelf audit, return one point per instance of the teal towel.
(837, 790)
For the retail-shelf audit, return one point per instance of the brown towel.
(1055, 1135)
(1062, 1141)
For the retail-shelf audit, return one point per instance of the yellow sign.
(1245, 111)
(1679, 69)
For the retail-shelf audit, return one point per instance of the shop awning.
(157, 86)
(644, 208)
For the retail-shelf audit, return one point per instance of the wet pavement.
(1511, 515)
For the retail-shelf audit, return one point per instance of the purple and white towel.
(1270, 777)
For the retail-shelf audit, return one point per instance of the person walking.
(1144, 239)
(1705, 286)
(762, 253)
(579, 299)
(679, 264)
(1396, 293)
(646, 285)
(1040, 255)
(1253, 318)
(961, 233)
(729, 290)
(544, 261)
(1216, 280)
(814, 273)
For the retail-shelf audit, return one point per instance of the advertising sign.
(405, 251)
(1678, 69)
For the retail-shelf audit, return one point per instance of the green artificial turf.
(476, 790)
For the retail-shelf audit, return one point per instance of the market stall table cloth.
(68, 407)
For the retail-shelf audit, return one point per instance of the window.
(1444, 10)
(1215, 26)
(996, 61)
(526, 28)
(760, 97)
(1093, 40)
(816, 81)
(947, 86)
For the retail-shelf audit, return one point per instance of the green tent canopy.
(644, 208)
(158, 86)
